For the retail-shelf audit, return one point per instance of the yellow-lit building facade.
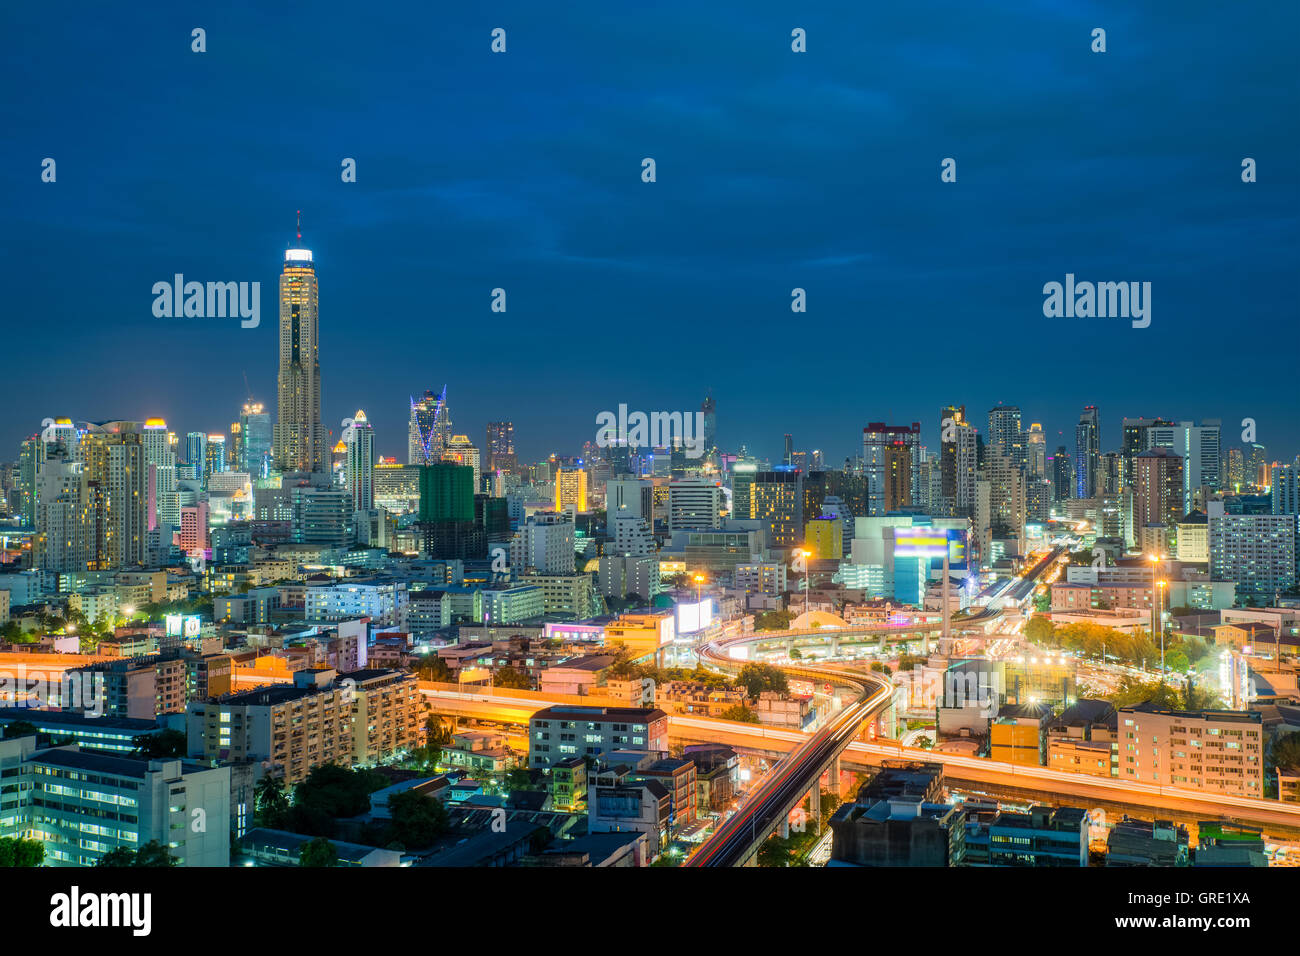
(824, 538)
(571, 489)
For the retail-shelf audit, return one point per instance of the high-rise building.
(359, 469)
(1006, 436)
(1036, 451)
(694, 504)
(462, 451)
(1159, 499)
(1257, 552)
(1135, 440)
(429, 429)
(742, 484)
(957, 463)
(299, 433)
(196, 453)
(320, 515)
(215, 456)
(1087, 454)
(1236, 468)
(63, 521)
(116, 470)
(877, 439)
(1286, 489)
(544, 543)
(776, 499)
(571, 489)
(628, 497)
(255, 440)
(1061, 466)
(709, 409)
(1006, 495)
(500, 446)
(1198, 446)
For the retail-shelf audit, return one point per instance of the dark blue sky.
(775, 170)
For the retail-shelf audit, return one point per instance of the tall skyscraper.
(359, 469)
(877, 439)
(1061, 466)
(1036, 451)
(1158, 505)
(216, 456)
(64, 522)
(1087, 454)
(429, 429)
(709, 408)
(299, 434)
(500, 446)
(957, 451)
(463, 451)
(1006, 437)
(117, 473)
(255, 440)
(196, 453)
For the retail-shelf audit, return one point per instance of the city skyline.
(541, 195)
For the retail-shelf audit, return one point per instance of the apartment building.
(556, 734)
(385, 714)
(1214, 751)
(84, 804)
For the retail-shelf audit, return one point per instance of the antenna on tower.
(300, 225)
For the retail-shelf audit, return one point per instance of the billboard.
(693, 617)
(183, 625)
(928, 542)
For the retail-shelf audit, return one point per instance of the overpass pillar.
(835, 645)
(881, 646)
(789, 646)
(815, 803)
(785, 828)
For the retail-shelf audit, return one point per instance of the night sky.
(775, 170)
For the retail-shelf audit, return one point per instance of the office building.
(1087, 454)
(83, 804)
(299, 432)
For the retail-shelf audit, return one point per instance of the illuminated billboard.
(931, 543)
(920, 543)
(183, 625)
(693, 617)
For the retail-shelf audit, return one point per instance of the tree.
(510, 677)
(1285, 752)
(739, 712)
(418, 819)
(120, 856)
(756, 678)
(434, 668)
(1176, 659)
(1039, 629)
(519, 778)
(909, 662)
(879, 667)
(20, 728)
(796, 654)
(270, 805)
(15, 851)
(154, 853)
(318, 852)
(167, 743)
(773, 621)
